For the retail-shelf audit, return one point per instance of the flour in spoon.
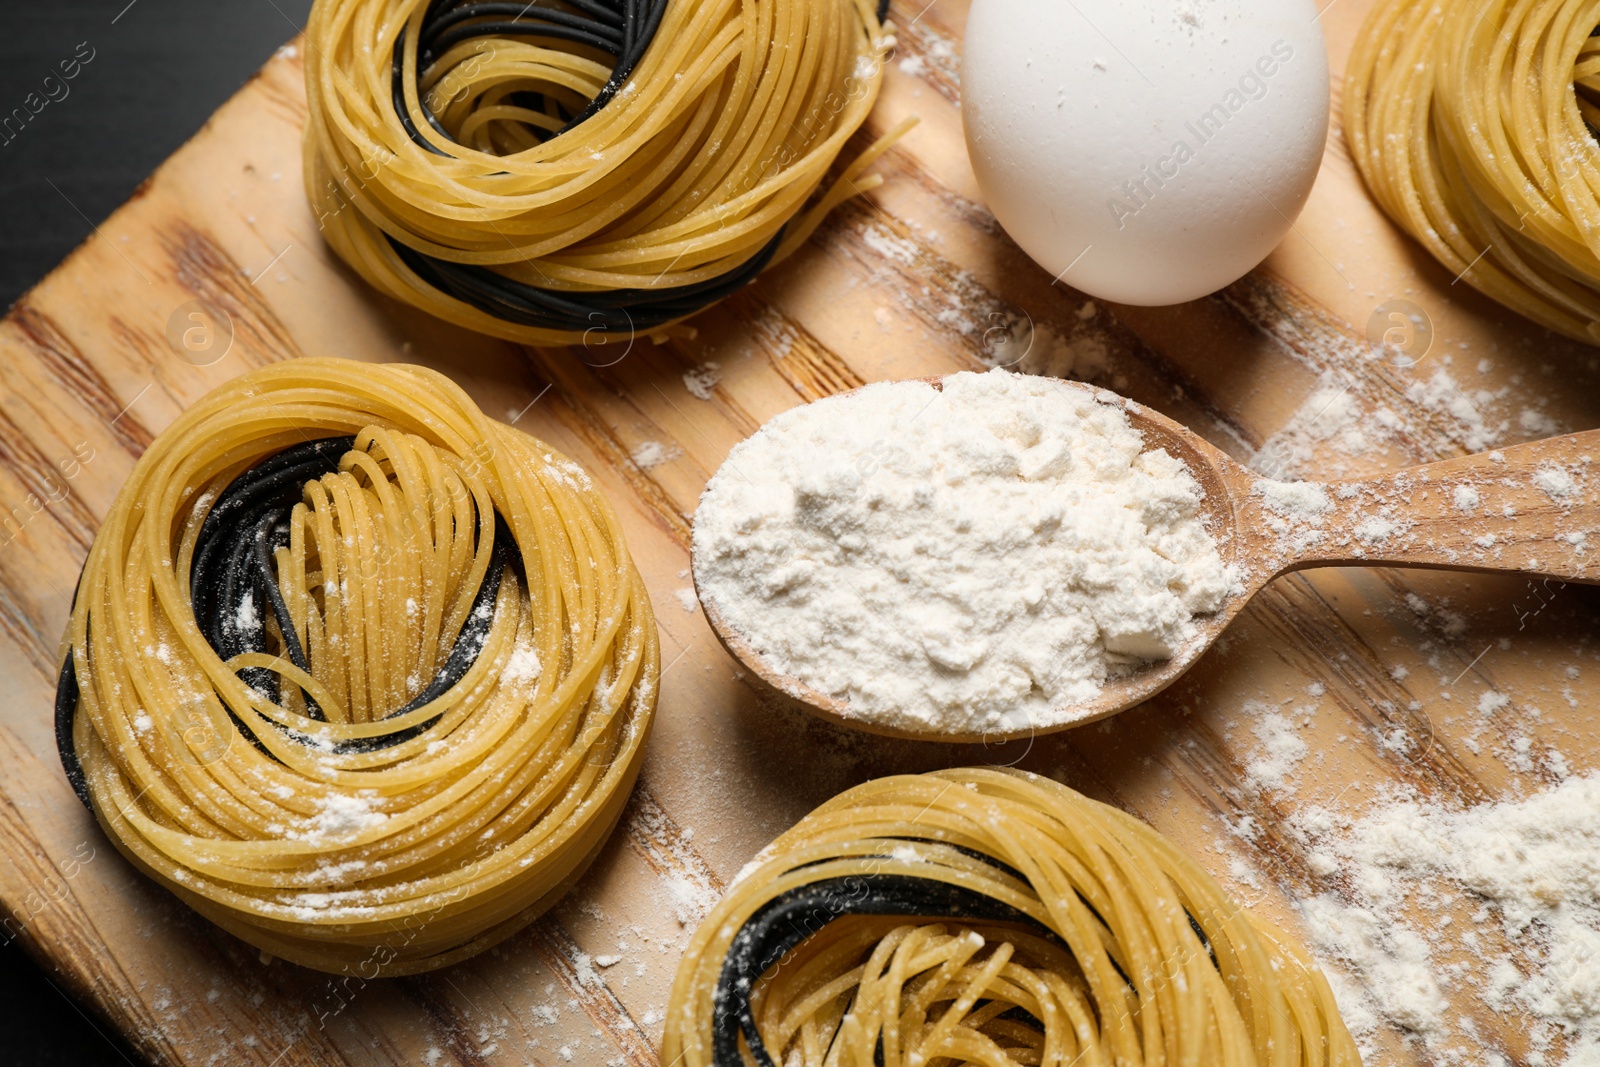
(978, 558)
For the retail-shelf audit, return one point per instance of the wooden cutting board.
(915, 280)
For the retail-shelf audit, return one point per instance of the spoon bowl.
(1523, 509)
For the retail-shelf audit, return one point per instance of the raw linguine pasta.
(575, 170)
(1473, 125)
(990, 917)
(359, 674)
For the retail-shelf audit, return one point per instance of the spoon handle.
(1532, 508)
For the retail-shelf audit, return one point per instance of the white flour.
(703, 379)
(340, 816)
(1336, 434)
(985, 556)
(1444, 916)
(649, 454)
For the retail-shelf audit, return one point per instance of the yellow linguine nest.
(359, 840)
(1121, 951)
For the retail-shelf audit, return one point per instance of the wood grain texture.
(917, 280)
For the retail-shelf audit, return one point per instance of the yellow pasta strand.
(1471, 125)
(1109, 968)
(723, 136)
(484, 804)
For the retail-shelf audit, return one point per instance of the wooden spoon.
(1530, 508)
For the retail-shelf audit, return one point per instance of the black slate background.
(159, 69)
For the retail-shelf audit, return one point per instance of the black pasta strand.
(624, 35)
(614, 311)
(66, 711)
(622, 30)
(790, 918)
(516, 19)
(232, 575)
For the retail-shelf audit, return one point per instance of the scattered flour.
(1536, 423)
(1557, 482)
(1297, 512)
(1490, 702)
(950, 561)
(1330, 425)
(1498, 904)
(1467, 498)
(1304, 501)
(702, 379)
(522, 668)
(1466, 418)
(1376, 529)
(246, 618)
(1333, 433)
(1282, 750)
(649, 454)
(340, 815)
(1044, 350)
(686, 598)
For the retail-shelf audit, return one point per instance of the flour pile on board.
(1442, 916)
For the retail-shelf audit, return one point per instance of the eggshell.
(1145, 153)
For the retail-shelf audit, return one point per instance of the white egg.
(1150, 152)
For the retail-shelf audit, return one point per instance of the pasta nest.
(1474, 127)
(990, 917)
(578, 171)
(361, 675)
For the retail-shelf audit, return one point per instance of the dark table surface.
(146, 76)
